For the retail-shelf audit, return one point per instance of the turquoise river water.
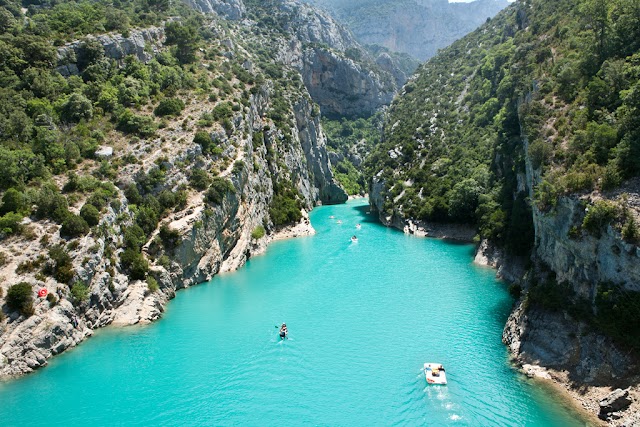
(363, 318)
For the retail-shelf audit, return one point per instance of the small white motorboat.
(331, 217)
(358, 226)
(434, 373)
(339, 221)
(354, 239)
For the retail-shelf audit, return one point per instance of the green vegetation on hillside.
(562, 73)
(352, 139)
(51, 127)
(556, 83)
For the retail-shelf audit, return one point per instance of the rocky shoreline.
(38, 341)
(576, 363)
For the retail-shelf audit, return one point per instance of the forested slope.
(144, 147)
(528, 128)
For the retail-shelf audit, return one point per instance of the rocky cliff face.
(230, 9)
(341, 86)
(584, 260)
(257, 153)
(341, 76)
(143, 44)
(416, 27)
(568, 349)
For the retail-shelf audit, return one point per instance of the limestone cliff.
(142, 43)
(230, 9)
(258, 153)
(341, 76)
(480, 135)
(585, 262)
(416, 27)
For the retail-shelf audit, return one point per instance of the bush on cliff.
(134, 237)
(90, 214)
(169, 107)
(199, 179)
(20, 298)
(258, 233)
(599, 215)
(285, 207)
(170, 237)
(129, 122)
(74, 226)
(204, 140)
(61, 267)
(618, 314)
(13, 201)
(135, 264)
(10, 223)
(152, 284)
(79, 293)
(219, 188)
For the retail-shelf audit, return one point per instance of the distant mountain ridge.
(416, 27)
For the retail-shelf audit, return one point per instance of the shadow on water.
(370, 216)
(367, 215)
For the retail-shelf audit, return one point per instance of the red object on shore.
(42, 293)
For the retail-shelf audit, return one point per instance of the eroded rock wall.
(338, 73)
(230, 9)
(213, 237)
(553, 338)
(144, 44)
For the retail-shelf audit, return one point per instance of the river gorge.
(363, 317)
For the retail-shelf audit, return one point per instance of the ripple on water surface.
(363, 318)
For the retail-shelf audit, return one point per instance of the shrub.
(62, 269)
(619, 314)
(539, 152)
(546, 195)
(132, 194)
(515, 290)
(238, 166)
(79, 293)
(222, 111)
(74, 226)
(630, 230)
(463, 201)
(285, 208)
(132, 123)
(169, 107)
(13, 201)
(90, 214)
(52, 300)
(164, 261)
(76, 107)
(148, 215)
(99, 199)
(550, 295)
(258, 232)
(199, 179)
(169, 236)
(167, 199)
(203, 139)
(134, 237)
(135, 263)
(20, 298)
(152, 284)
(51, 204)
(599, 215)
(219, 188)
(10, 223)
